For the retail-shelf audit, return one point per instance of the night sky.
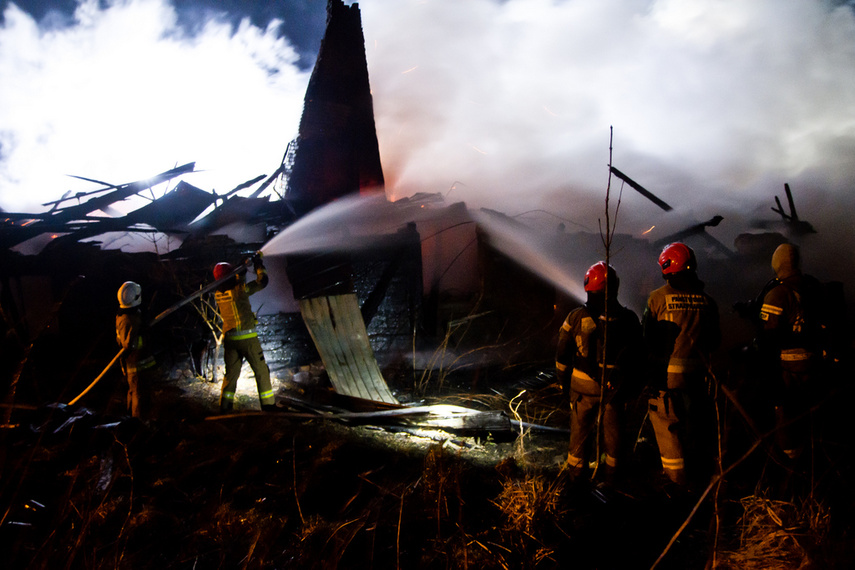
(303, 20)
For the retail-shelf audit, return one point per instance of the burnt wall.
(337, 151)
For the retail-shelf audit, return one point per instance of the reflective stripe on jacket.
(790, 317)
(681, 329)
(580, 344)
(235, 308)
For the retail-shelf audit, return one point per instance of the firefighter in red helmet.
(598, 346)
(240, 338)
(681, 330)
(138, 362)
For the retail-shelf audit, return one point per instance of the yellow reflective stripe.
(581, 375)
(228, 395)
(574, 461)
(142, 365)
(560, 367)
(240, 335)
(680, 365)
(795, 354)
(673, 463)
(611, 461)
(772, 310)
(565, 326)
(265, 395)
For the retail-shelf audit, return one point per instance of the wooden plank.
(322, 328)
(360, 355)
(374, 377)
(336, 326)
(350, 344)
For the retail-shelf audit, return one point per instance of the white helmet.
(130, 294)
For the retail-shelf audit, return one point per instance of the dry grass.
(529, 501)
(539, 405)
(776, 534)
(440, 482)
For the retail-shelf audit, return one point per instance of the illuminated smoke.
(506, 104)
(712, 102)
(124, 93)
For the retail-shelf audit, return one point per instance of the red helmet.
(677, 257)
(221, 270)
(595, 277)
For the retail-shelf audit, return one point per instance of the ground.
(192, 489)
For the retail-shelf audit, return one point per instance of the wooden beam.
(640, 189)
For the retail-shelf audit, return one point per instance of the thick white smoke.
(715, 104)
(508, 104)
(123, 94)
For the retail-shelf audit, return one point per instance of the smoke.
(505, 104)
(532, 252)
(121, 93)
(714, 104)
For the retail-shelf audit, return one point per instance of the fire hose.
(210, 287)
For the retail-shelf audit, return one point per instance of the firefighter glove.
(257, 261)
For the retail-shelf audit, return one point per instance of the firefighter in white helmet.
(138, 362)
(791, 322)
(681, 331)
(597, 364)
(240, 337)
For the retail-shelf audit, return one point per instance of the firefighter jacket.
(581, 348)
(129, 335)
(235, 309)
(681, 330)
(791, 318)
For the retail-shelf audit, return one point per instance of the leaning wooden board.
(339, 332)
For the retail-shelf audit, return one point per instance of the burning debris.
(791, 221)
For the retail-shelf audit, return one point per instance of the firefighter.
(790, 342)
(681, 330)
(599, 344)
(240, 337)
(138, 362)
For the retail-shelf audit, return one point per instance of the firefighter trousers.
(235, 352)
(140, 375)
(684, 424)
(583, 429)
(792, 405)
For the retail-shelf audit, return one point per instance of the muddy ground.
(87, 487)
(91, 488)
